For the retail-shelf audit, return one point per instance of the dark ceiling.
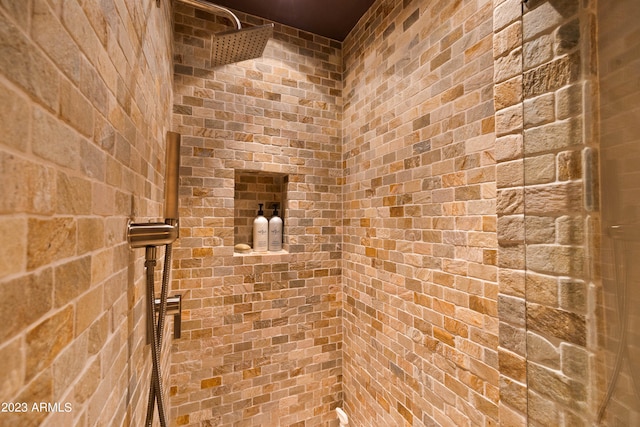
(330, 18)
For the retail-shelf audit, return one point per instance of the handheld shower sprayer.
(172, 178)
(150, 236)
(140, 235)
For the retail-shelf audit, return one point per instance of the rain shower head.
(239, 45)
(235, 45)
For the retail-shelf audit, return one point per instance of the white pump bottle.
(260, 232)
(275, 231)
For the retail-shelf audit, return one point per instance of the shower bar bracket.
(140, 235)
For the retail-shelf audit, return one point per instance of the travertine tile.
(71, 164)
(403, 289)
(269, 340)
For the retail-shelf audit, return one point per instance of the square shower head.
(239, 45)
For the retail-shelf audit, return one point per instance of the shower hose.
(155, 331)
(621, 279)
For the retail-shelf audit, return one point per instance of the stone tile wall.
(84, 107)
(560, 202)
(410, 261)
(262, 336)
(509, 154)
(420, 242)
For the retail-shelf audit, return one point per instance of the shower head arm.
(213, 8)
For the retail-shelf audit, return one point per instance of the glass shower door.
(619, 108)
(581, 166)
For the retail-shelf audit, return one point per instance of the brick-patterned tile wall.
(262, 337)
(402, 289)
(509, 154)
(84, 107)
(420, 243)
(560, 208)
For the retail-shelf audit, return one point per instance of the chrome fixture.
(213, 8)
(150, 236)
(234, 45)
(623, 235)
(174, 308)
(140, 235)
(172, 178)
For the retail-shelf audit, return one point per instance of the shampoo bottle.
(260, 232)
(275, 231)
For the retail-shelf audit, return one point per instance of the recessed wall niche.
(252, 188)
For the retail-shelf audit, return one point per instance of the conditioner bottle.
(260, 232)
(275, 231)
